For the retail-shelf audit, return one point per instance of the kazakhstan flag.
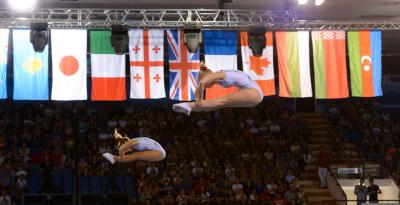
(31, 70)
(3, 62)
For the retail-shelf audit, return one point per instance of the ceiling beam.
(176, 18)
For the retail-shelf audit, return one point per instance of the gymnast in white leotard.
(141, 148)
(249, 94)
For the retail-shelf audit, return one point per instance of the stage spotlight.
(22, 5)
(301, 2)
(119, 38)
(319, 2)
(257, 40)
(39, 36)
(192, 37)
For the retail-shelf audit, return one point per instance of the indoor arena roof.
(336, 10)
(331, 9)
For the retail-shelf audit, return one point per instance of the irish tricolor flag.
(365, 51)
(294, 64)
(108, 69)
(330, 73)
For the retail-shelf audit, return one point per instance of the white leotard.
(145, 143)
(239, 79)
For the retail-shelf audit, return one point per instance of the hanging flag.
(146, 51)
(220, 53)
(330, 73)
(30, 69)
(365, 51)
(260, 69)
(69, 48)
(183, 66)
(3, 62)
(108, 69)
(294, 64)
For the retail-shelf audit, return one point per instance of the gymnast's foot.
(182, 108)
(109, 157)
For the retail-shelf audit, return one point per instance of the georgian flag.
(146, 51)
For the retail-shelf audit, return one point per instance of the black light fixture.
(119, 38)
(221, 3)
(192, 37)
(257, 40)
(39, 36)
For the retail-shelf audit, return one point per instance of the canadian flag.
(260, 69)
(146, 51)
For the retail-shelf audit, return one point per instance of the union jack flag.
(183, 66)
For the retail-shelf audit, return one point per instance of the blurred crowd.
(375, 130)
(231, 156)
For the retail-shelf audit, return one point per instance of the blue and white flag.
(220, 53)
(30, 69)
(3, 62)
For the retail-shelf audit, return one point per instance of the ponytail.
(203, 71)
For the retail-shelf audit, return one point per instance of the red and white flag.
(69, 49)
(260, 69)
(146, 51)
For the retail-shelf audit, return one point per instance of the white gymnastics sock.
(182, 108)
(109, 157)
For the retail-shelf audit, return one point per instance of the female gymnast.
(249, 94)
(141, 148)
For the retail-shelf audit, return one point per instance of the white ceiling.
(331, 9)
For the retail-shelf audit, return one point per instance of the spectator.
(204, 196)
(361, 192)
(182, 199)
(289, 177)
(323, 162)
(301, 197)
(22, 183)
(7, 175)
(279, 200)
(47, 167)
(373, 191)
(291, 196)
(112, 186)
(237, 187)
(5, 199)
(239, 158)
(253, 197)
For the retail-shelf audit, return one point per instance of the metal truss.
(176, 18)
(339, 25)
(103, 18)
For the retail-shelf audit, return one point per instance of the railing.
(47, 199)
(62, 199)
(339, 150)
(104, 199)
(354, 202)
(381, 202)
(335, 188)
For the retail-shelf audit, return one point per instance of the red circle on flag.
(69, 65)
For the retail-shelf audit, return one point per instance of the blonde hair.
(203, 71)
(121, 141)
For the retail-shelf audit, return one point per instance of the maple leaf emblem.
(257, 64)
